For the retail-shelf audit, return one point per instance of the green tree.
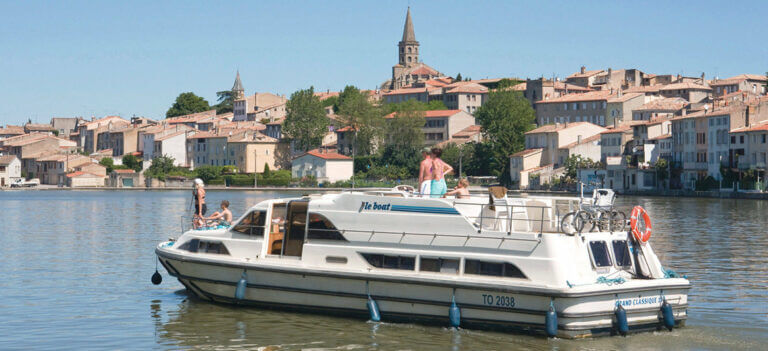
(436, 105)
(226, 101)
(356, 110)
(160, 167)
(504, 118)
(574, 163)
(206, 173)
(662, 169)
(305, 121)
(132, 162)
(404, 125)
(458, 77)
(187, 103)
(108, 163)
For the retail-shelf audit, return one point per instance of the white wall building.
(325, 166)
(10, 169)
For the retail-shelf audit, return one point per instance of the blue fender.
(667, 316)
(550, 321)
(621, 320)
(373, 309)
(242, 284)
(454, 314)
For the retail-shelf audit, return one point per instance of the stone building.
(409, 69)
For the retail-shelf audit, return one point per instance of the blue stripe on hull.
(425, 209)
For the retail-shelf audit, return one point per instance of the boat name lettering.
(498, 300)
(375, 206)
(638, 301)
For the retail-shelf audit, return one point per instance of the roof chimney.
(578, 139)
(583, 70)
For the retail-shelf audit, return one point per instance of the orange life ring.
(636, 213)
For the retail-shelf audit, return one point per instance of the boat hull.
(583, 313)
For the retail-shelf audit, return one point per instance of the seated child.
(224, 217)
(461, 190)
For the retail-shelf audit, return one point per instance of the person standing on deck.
(439, 170)
(425, 172)
(198, 196)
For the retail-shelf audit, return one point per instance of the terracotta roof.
(81, 173)
(666, 104)
(660, 137)
(63, 157)
(205, 135)
(588, 96)
(326, 95)
(644, 89)
(762, 126)
(620, 129)
(738, 79)
(7, 159)
(251, 137)
(468, 88)
(574, 87)
(685, 86)
(104, 121)
(519, 87)
(549, 128)
(586, 73)
(534, 169)
(625, 97)
(468, 131)
(424, 71)
(170, 135)
(432, 113)
(327, 155)
(9, 130)
(583, 141)
(345, 129)
(194, 117)
(407, 91)
(124, 171)
(37, 126)
(437, 82)
(526, 152)
(720, 111)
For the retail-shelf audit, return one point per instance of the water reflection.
(76, 268)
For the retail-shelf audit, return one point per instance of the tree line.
(388, 138)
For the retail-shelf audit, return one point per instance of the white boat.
(482, 262)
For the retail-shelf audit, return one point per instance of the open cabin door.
(296, 226)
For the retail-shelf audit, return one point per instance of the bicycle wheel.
(585, 220)
(618, 221)
(603, 221)
(571, 223)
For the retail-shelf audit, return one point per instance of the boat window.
(252, 223)
(391, 262)
(441, 265)
(600, 255)
(197, 245)
(621, 253)
(320, 228)
(335, 259)
(496, 269)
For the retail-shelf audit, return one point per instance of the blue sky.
(84, 58)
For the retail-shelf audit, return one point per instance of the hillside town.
(618, 128)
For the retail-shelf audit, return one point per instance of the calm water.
(76, 266)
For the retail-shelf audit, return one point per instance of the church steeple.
(238, 92)
(409, 47)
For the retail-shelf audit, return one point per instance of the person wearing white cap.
(425, 173)
(198, 196)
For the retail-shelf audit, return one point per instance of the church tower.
(238, 93)
(409, 47)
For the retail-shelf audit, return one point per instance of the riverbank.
(473, 189)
